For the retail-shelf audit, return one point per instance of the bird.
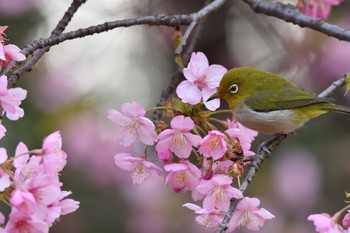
(269, 103)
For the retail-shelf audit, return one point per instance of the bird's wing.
(282, 99)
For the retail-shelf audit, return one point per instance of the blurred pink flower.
(202, 81)
(346, 220)
(248, 215)
(324, 223)
(5, 180)
(317, 8)
(140, 169)
(16, 7)
(306, 181)
(182, 176)
(213, 145)
(134, 124)
(178, 140)
(218, 191)
(207, 218)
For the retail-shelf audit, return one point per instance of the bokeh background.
(74, 85)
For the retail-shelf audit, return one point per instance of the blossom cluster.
(195, 151)
(317, 8)
(324, 223)
(10, 99)
(30, 185)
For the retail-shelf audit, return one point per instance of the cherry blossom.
(133, 124)
(324, 223)
(11, 99)
(207, 218)
(182, 176)
(218, 191)
(19, 222)
(140, 169)
(9, 54)
(201, 81)
(178, 139)
(213, 145)
(54, 158)
(248, 215)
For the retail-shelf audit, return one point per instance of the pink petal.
(146, 132)
(118, 118)
(69, 206)
(204, 187)
(174, 167)
(18, 93)
(190, 75)
(166, 133)
(3, 155)
(196, 208)
(181, 151)
(14, 52)
(214, 75)
(188, 92)
(263, 213)
(213, 104)
(198, 63)
(193, 139)
(133, 110)
(182, 123)
(248, 204)
(163, 144)
(3, 85)
(124, 161)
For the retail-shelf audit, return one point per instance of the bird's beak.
(213, 97)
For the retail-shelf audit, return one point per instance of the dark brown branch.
(263, 153)
(38, 54)
(290, 13)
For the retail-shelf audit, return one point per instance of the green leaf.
(347, 83)
(178, 60)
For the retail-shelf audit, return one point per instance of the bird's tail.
(338, 108)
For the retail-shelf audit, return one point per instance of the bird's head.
(235, 86)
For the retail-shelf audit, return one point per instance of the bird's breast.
(269, 122)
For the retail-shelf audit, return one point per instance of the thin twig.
(39, 53)
(197, 17)
(263, 154)
(290, 13)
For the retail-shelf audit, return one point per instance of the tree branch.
(263, 153)
(68, 15)
(290, 13)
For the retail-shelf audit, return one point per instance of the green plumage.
(271, 98)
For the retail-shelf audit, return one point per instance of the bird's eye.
(233, 88)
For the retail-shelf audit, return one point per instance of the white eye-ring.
(233, 88)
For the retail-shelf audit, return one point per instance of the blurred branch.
(263, 153)
(68, 15)
(58, 37)
(197, 17)
(290, 13)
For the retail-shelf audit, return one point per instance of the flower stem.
(158, 108)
